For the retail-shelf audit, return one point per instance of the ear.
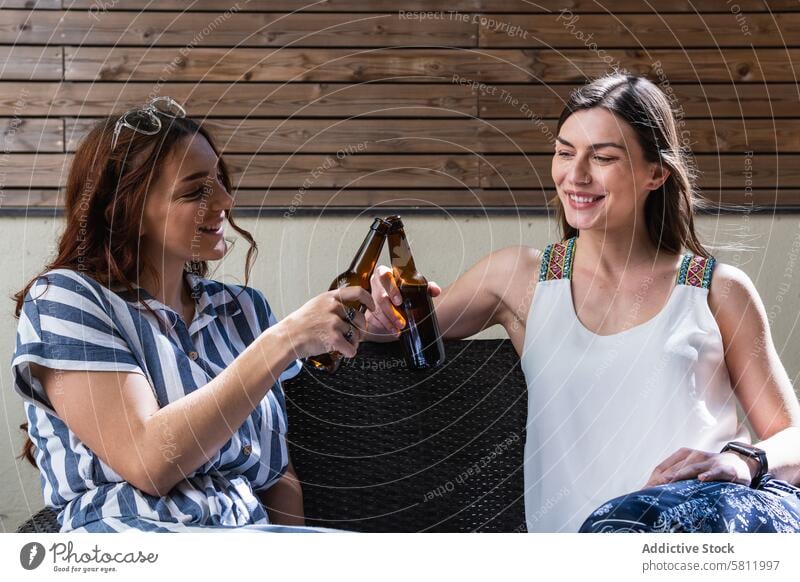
(658, 175)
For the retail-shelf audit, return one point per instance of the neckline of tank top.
(645, 324)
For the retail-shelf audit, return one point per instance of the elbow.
(150, 484)
(150, 468)
(156, 489)
(152, 479)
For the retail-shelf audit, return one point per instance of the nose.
(579, 171)
(222, 199)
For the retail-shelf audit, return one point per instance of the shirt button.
(193, 355)
(246, 450)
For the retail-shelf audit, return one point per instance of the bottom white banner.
(354, 557)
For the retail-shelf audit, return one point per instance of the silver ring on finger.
(349, 314)
(348, 335)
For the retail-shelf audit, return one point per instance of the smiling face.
(600, 171)
(184, 216)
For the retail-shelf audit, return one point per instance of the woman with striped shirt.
(153, 394)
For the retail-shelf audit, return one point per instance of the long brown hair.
(104, 203)
(669, 210)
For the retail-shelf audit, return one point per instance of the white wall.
(300, 255)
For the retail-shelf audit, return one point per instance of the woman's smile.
(215, 230)
(584, 200)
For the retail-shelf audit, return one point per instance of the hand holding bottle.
(386, 320)
(328, 323)
(358, 274)
(419, 334)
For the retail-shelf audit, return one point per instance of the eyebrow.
(194, 176)
(594, 146)
(198, 174)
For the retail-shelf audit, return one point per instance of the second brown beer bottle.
(422, 342)
(357, 274)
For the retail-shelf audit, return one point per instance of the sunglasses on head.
(146, 119)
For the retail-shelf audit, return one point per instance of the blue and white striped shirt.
(71, 322)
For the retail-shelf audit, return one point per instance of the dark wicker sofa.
(381, 448)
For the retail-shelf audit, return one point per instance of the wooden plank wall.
(346, 103)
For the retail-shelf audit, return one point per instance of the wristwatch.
(753, 453)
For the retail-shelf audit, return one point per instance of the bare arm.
(284, 500)
(477, 300)
(117, 416)
(758, 377)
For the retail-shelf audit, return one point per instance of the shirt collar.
(207, 305)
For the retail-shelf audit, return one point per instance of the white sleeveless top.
(603, 411)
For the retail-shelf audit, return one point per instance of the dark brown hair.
(669, 210)
(104, 203)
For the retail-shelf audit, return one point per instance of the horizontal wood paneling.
(478, 200)
(25, 134)
(716, 172)
(29, 63)
(245, 100)
(38, 4)
(516, 6)
(420, 65)
(701, 100)
(428, 102)
(566, 29)
(288, 64)
(675, 65)
(290, 200)
(456, 135)
(281, 100)
(286, 171)
(281, 198)
(232, 29)
(417, 171)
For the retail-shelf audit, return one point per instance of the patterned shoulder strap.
(696, 271)
(557, 260)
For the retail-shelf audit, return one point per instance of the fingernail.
(396, 299)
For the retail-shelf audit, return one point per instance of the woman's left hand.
(693, 464)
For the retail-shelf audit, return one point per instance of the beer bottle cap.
(380, 225)
(394, 221)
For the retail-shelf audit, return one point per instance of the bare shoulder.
(499, 273)
(735, 302)
(730, 287)
(514, 272)
(512, 259)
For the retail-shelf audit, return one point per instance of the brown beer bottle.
(357, 274)
(420, 337)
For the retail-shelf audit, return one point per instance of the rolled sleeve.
(63, 325)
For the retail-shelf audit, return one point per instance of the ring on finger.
(349, 314)
(348, 335)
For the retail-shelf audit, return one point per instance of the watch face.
(745, 448)
(754, 453)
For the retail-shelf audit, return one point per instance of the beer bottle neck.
(400, 252)
(367, 256)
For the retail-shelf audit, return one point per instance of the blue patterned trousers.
(697, 506)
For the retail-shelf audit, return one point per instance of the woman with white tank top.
(635, 343)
